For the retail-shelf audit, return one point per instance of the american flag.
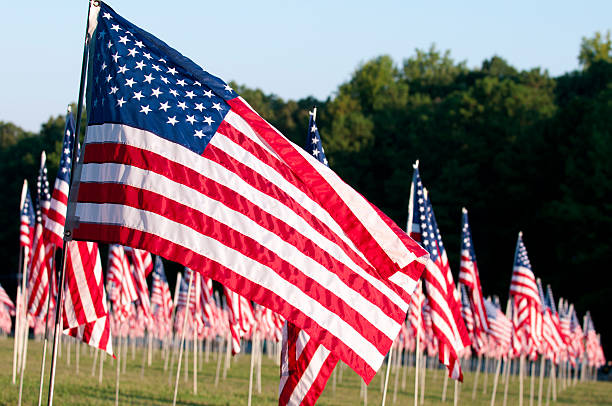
(468, 275)
(120, 283)
(5, 301)
(54, 226)
(305, 373)
(85, 315)
(27, 220)
(38, 272)
(161, 297)
(553, 343)
(141, 266)
(500, 327)
(232, 300)
(448, 326)
(175, 162)
(415, 313)
(524, 290)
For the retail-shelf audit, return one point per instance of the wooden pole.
(542, 367)
(456, 398)
(219, 358)
(486, 375)
(416, 369)
(24, 355)
(444, 387)
(476, 377)
(102, 359)
(532, 386)
(118, 369)
(178, 369)
(521, 374)
(172, 333)
(389, 364)
(17, 335)
(506, 383)
(423, 375)
(493, 393)
(195, 359)
(253, 355)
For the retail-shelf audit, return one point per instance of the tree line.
(521, 150)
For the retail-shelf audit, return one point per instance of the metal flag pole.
(67, 234)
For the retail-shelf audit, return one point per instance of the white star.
(315, 140)
(116, 27)
(107, 16)
(172, 120)
(156, 67)
(64, 170)
(113, 90)
(148, 78)
(130, 82)
(165, 80)
(313, 128)
(116, 57)
(199, 134)
(190, 94)
(180, 82)
(140, 65)
(199, 106)
(196, 83)
(191, 119)
(164, 106)
(66, 151)
(147, 55)
(156, 92)
(182, 105)
(124, 40)
(171, 71)
(228, 88)
(161, 60)
(137, 95)
(109, 45)
(108, 78)
(103, 65)
(174, 92)
(120, 102)
(139, 44)
(217, 106)
(325, 161)
(145, 109)
(208, 120)
(208, 93)
(132, 52)
(315, 152)
(123, 69)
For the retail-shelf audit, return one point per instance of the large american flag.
(175, 162)
(305, 364)
(56, 218)
(447, 323)
(468, 275)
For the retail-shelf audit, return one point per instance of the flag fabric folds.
(176, 163)
(27, 221)
(85, 315)
(447, 323)
(56, 217)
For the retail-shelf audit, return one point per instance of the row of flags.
(176, 164)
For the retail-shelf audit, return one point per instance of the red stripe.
(149, 201)
(212, 269)
(332, 202)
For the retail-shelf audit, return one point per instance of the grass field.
(154, 387)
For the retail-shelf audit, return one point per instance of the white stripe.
(136, 177)
(238, 263)
(382, 233)
(55, 227)
(81, 282)
(309, 376)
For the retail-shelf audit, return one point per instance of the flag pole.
(67, 233)
(178, 369)
(45, 340)
(389, 364)
(21, 271)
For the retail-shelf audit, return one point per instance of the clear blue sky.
(290, 48)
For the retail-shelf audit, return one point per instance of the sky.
(290, 48)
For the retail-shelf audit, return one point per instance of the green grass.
(155, 387)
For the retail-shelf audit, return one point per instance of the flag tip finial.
(313, 113)
(24, 192)
(464, 210)
(416, 164)
(520, 233)
(69, 108)
(43, 158)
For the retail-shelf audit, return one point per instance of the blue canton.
(521, 258)
(43, 197)
(27, 209)
(423, 215)
(313, 141)
(466, 242)
(139, 81)
(63, 172)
